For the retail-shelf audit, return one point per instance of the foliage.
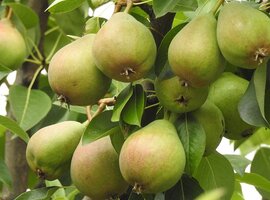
(130, 106)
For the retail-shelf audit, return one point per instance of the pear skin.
(12, 45)
(213, 123)
(226, 93)
(194, 54)
(124, 49)
(178, 96)
(49, 150)
(74, 76)
(95, 170)
(152, 159)
(243, 35)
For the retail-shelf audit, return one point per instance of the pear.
(124, 49)
(176, 95)
(213, 123)
(50, 149)
(226, 93)
(95, 170)
(74, 76)
(152, 159)
(243, 35)
(194, 54)
(12, 45)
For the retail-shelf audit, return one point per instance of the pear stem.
(216, 7)
(8, 12)
(129, 6)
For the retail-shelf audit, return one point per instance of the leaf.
(215, 194)
(259, 137)
(215, 171)
(27, 16)
(260, 87)
(5, 176)
(187, 188)
(64, 5)
(249, 109)
(267, 93)
(134, 196)
(99, 127)
(14, 128)
(38, 194)
(185, 5)
(261, 165)
(162, 55)
(28, 107)
(239, 163)
(159, 196)
(121, 101)
(93, 25)
(133, 110)
(162, 7)
(255, 180)
(117, 139)
(193, 138)
(4, 71)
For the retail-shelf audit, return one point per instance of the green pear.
(124, 49)
(243, 35)
(226, 93)
(95, 170)
(50, 149)
(152, 159)
(74, 76)
(194, 54)
(12, 45)
(213, 123)
(176, 95)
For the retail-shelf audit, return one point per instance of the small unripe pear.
(49, 150)
(12, 45)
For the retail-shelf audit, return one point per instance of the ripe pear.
(124, 49)
(152, 159)
(213, 123)
(50, 149)
(194, 54)
(74, 76)
(95, 170)
(243, 35)
(176, 95)
(226, 93)
(12, 45)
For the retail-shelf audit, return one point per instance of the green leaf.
(121, 100)
(99, 127)
(28, 107)
(261, 136)
(239, 163)
(193, 139)
(255, 180)
(261, 165)
(162, 55)
(267, 93)
(215, 171)
(117, 139)
(249, 109)
(133, 110)
(134, 196)
(38, 194)
(4, 71)
(27, 16)
(260, 87)
(64, 5)
(215, 194)
(159, 196)
(185, 5)
(14, 128)
(93, 25)
(187, 188)
(5, 176)
(162, 7)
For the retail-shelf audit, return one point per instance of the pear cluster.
(152, 159)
